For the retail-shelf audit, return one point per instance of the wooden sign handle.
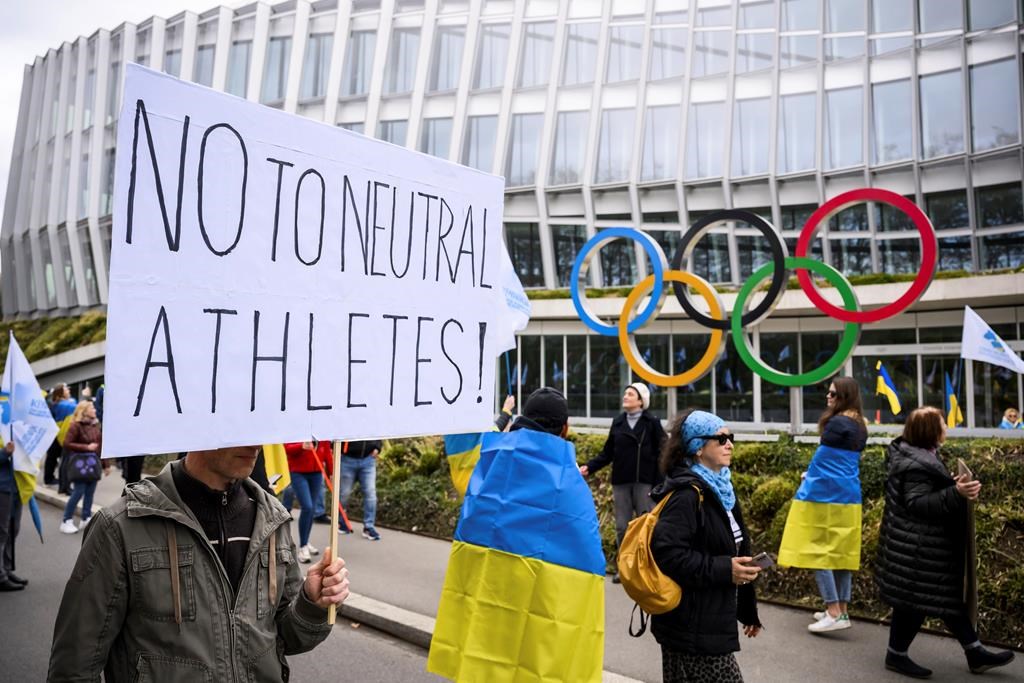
(332, 611)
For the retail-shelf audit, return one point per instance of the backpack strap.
(643, 621)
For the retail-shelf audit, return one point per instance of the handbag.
(84, 466)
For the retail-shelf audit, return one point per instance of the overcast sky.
(31, 27)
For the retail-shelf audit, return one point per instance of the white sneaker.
(303, 554)
(313, 550)
(68, 527)
(85, 522)
(818, 616)
(829, 623)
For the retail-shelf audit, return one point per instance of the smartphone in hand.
(762, 560)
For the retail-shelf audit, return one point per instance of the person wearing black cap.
(632, 448)
(546, 410)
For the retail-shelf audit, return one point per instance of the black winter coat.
(693, 545)
(634, 452)
(923, 537)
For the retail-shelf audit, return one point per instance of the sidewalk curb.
(412, 627)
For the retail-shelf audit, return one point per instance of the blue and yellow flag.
(463, 451)
(884, 386)
(275, 461)
(953, 414)
(523, 597)
(824, 523)
(62, 412)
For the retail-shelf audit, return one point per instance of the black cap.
(547, 407)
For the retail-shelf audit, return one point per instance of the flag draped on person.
(62, 411)
(824, 524)
(463, 451)
(523, 597)
(25, 419)
(980, 342)
(953, 414)
(884, 386)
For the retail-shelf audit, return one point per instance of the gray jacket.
(131, 613)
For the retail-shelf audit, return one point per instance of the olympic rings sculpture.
(740, 318)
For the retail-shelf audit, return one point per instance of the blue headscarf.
(701, 424)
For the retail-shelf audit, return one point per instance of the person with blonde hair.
(82, 447)
(1011, 419)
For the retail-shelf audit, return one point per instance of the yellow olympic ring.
(627, 341)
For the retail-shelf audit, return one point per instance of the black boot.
(14, 578)
(902, 664)
(980, 660)
(7, 585)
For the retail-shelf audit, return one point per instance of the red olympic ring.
(929, 253)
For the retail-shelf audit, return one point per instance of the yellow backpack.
(653, 591)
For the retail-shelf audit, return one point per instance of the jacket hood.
(902, 456)
(681, 476)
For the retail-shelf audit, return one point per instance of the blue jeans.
(834, 585)
(306, 486)
(365, 469)
(78, 490)
(320, 504)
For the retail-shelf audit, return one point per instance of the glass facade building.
(648, 113)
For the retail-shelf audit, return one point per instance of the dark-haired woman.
(922, 546)
(701, 543)
(824, 522)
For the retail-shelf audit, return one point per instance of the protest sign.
(278, 279)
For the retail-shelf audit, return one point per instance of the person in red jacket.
(307, 481)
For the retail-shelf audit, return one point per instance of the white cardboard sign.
(277, 279)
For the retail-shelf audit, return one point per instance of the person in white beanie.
(633, 446)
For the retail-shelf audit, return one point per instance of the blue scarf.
(720, 482)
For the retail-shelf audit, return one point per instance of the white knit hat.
(645, 393)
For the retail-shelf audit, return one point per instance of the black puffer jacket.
(923, 536)
(634, 452)
(693, 545)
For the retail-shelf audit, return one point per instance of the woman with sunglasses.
(824, 523)
(700, 542)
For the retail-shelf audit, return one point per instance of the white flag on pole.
(25, 415)
(981, 343)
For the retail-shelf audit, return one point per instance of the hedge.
(414, 493)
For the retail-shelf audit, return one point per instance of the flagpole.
(332, 611)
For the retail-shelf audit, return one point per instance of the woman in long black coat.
(922, 546)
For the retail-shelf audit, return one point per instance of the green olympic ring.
(851, 331)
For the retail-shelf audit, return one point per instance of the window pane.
(107, 190)
(355, 126)
(403, 54)
(711, 52)
(524, 143)
(991, 13)
(995, 100)
(444, 70)
(69, 273)
(49, 276)
(315, 65)
(844, 15)
(113, 95)
(580, 53)
(797, 51)
(714, 16)
(668, 53)
(933, 385)
(796, 132)
(172, 63)
(667, 239)
(955, 253)
(625, 44)
(779, 351)
(853, 219)
(995, 390)
(618, 263)
(892, 15)
(523, 240)
(609, 376)
(753, 51)
(883, 46)
(238, 67)
(844, 48)
(436, 137)
(799, 15)
(393, 131)
(795, 217)
(83, 184)
(275, 71)
(942, 116)
(749, 143)
(88, 262)
(359, 62)
(903, 372)
(734, 388)
(757, 14)
(687, 349)
(947, 210)
(899, 256)
(554, 362)
(815, 349)
(528, 379)
(614, 146)
(576, 373)
(705, 140)
(202, 72)
(661, 143)
(538, 49)
(891, 219)
(843, 145)
(570, 137)
(711, 258)
(569, 239)
(999, 205)
(653, 348)
(478, 152)
(490, 57)
(940, 15)
(852, 257)
(892, 121)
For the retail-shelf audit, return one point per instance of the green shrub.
(768, 498)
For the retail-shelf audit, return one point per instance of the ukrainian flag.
(275, 461)
(823, 527)
(953, 414)
(523, 597)
(463, 453)
(884, 386)
(62, 412)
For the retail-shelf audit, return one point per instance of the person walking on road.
(83, 447)
(359, 462)
(701, 543)
(633, 445)
(191, 576)
(922, 544)
(307, 482)
(10, 521)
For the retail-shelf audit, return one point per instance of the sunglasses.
(831, 394)
(720, 438)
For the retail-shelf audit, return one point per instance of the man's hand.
(967, 489)
(327, 581)
(509, 405)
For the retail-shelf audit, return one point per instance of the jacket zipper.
(639, 447)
